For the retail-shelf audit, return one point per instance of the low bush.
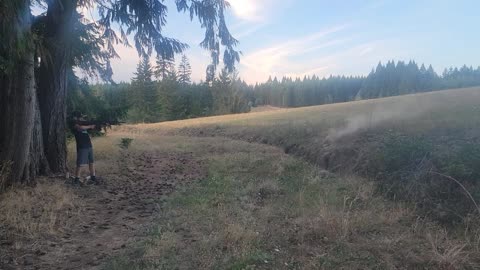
(125, 142)
(442, 180)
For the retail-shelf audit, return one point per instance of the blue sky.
(305, 37)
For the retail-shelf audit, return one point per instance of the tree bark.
(37, 162)
(52, 82)
(18, 118)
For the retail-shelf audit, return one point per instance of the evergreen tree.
(167, 91)
(143, 98)
(164, 68)
(144, 71)
(210, 74)
(184, 71)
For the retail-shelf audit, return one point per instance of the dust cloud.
(376, 114)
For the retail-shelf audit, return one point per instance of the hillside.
(324, 187)
(314, 132)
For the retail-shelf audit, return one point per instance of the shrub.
(414, 168)
(400, 165)
(463, 163)
(125, 142)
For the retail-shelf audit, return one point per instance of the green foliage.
(101, 102)
(386, 80)
(168, 99)
(149, 101)
(143, 95)
(125, 142)
(411, 168)
(147, 20)
(404, 153)
(173, 97)
(164, 69)
(184, 71)
(462, 163)
(308, 91)
(228, 94)
(396, 79)
(16, 38)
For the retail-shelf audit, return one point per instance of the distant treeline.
(172, 96)
(386, 80)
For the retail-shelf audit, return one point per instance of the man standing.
(80, 129)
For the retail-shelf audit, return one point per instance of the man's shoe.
(93, 180)
(77, 182)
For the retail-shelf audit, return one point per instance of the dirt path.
(116, 213)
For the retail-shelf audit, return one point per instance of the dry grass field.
(413, 113)
(279, 189)
(265, 108)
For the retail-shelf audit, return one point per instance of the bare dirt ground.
(114, 214)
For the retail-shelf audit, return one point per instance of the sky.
(305, 37)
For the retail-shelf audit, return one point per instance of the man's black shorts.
(84, 156)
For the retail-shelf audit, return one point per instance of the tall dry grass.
(34, 211)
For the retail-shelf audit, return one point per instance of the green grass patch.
(235, 218)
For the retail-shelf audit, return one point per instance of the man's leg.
(91, 167)
(76, 181)
(77, 171)
(81, 160)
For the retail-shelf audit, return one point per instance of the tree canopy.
(145, 21)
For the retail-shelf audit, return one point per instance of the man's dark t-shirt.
(81, 137)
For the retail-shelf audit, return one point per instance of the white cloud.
(124, 67)
(354, 60)
(199, 60)
(366, 51)
(239, 34)
(280, 60)
(327, 52)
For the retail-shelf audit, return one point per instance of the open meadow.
(374, 184)
(239, 134)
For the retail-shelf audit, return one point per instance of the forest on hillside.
(391, 79)
(164, 92)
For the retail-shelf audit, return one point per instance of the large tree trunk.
(18, 121)
(17, 102)
(52, 90)
(52, 82)
(37, 162)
